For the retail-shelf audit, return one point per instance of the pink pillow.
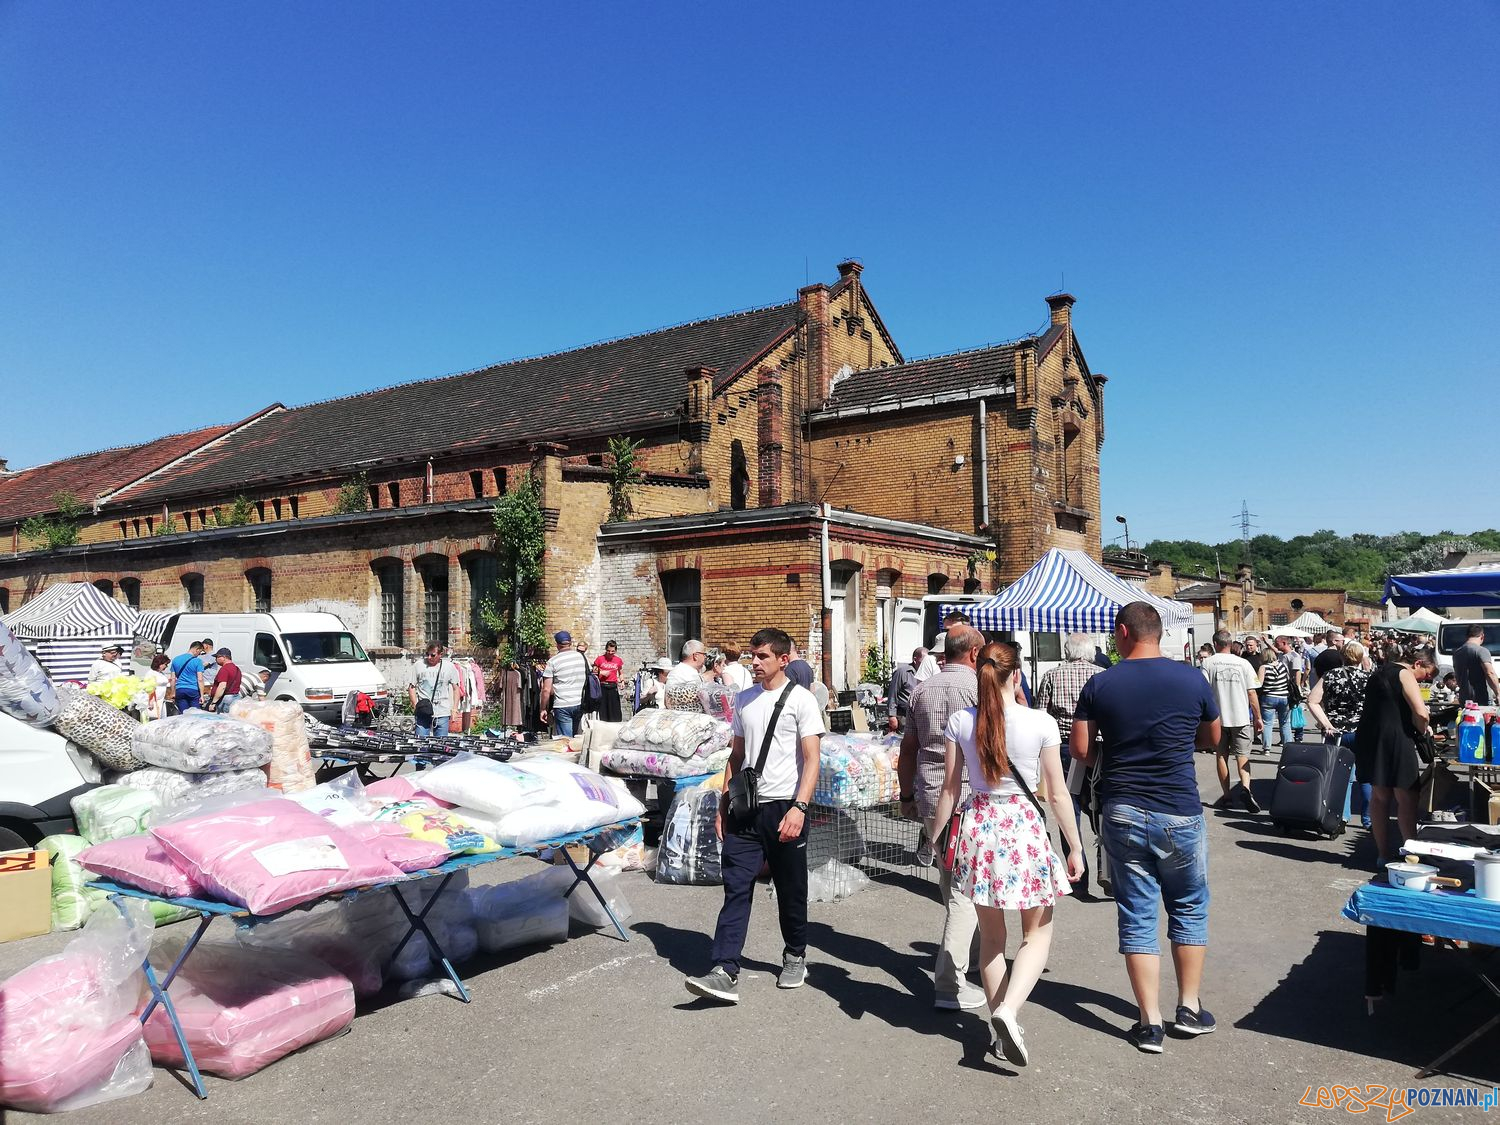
(402, 788)
(269, 856)
(140, 861)
(401, 850)
(51, 1069)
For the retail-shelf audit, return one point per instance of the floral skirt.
(1004, 858)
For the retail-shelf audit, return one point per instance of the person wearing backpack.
(565, 679)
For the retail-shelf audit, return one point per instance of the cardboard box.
(25, 894)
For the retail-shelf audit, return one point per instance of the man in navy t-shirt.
(1151, 712)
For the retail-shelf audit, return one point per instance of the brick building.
(757, 428)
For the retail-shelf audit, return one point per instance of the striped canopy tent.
(1310, 622)
(1067, 592)
(66, 626)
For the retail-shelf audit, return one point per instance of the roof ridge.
(547, 355)
(912, 360)
(113, 449)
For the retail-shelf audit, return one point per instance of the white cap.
(939, 644)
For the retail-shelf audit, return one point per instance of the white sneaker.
(926, 854)
(1009, 1042)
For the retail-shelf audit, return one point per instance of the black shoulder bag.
(743, 793)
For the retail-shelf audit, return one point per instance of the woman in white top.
(1003, 859)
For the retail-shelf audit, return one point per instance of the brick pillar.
(814, 302)
(768, 435)
(699, 413)
(546, 464)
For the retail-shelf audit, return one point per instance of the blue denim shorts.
(1157, 860)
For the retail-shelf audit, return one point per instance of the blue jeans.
(226, 703)
(1157, 859)
(439, 727)
(1275, 707)
(186, 700)
(565, 720)
(1358, 792)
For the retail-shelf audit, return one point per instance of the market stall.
(1477, 586)
(1422, 621)
(66, 625)
(1311, 623)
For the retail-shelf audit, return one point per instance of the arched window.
(105, 587)
(192, 593)
(260, 589)
(482, 568)
(131, 588)
(390, 583)
(739, 476)
(681, 590)
(937, 583)
(433, 571)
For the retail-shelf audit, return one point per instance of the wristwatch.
(800, 806)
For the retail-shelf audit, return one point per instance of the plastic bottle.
(1471, 736)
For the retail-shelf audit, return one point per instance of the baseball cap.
(940, 644)
(224, 652)
(563, 638)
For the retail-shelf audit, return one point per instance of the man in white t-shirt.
(107, 666)
(1233, 682)
(689, 673)
(562, 686)
(777, 725)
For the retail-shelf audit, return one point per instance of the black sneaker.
(1147, 1037)
(1191, 1023)
(1246, 798)
(1224, 803)
(716, 984)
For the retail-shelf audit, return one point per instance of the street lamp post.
(1123, 520)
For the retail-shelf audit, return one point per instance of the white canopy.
(1310, 622)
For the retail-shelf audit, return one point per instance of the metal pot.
(1487, 875)
(1416, 877)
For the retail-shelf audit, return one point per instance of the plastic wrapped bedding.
(581, 799)
(391, 790)
(73, 900)
(417, 960)
(442, 827)
(93, 724)
(243, 1008)
(112, 811)
(649, 763)
(327, 934)
(690, 846)
(529, 911)
(341, 800)
(174, 788)
(271, 855)
(856, 773)
(141, 862)
(291, 768)
(202, 744)
(69, 1035)
(25, 691)
(406, 853)
(666, 732)
(491, 787)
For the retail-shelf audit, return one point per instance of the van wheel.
(10, 841)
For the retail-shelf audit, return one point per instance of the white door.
(906, 631)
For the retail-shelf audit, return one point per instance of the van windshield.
(323, 648)
(1451, 638)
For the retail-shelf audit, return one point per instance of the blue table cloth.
(1459, 916)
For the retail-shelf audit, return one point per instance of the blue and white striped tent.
(66, 625)
(1067, 592)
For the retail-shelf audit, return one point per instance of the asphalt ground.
(599, 1029)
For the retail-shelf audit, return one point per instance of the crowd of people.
(202, 678)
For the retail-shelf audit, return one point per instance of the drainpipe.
(827, 615)
(427, 484)
(984, 470)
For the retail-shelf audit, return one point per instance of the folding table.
(598, 840)
(1457, 916)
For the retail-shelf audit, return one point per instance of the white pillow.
(493, 788)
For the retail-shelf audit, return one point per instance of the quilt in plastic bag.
(580, 799)
(666, 732)
(174, 788)
(402, 851)
(25, 691)
(327, 934)
(484, 784)
(73, 900)
(291, 768)
(202, 744)
(341, 800)
(243, 1008)
(141, 862)
(271, 855)
(442, 827)
(529, 911)
(112, 811)
(651, 763)
(100, 729)
(690, 846)
(402, 787)
(69, 1034)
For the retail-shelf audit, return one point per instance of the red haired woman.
(1003, 859)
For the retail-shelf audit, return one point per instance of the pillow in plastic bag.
(69, 1036)
(141, 862)
(582, 799)
(73, 900)
(529, 911)
(326, 933)
(93, 724)
(291, 768)
(400, 850)
(443, 828)
(242, 1008)
(25, 691)
(341, 800)
(174, 788)
(271, 855)
(481, 783)
(202, 744)
(112, 811)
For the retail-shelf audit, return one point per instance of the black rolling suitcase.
(1310, 787)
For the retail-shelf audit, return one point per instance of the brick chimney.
(768, 435)
(814, 302)
(849, 268)
(700, 404)
(546, 464)
(1061, 305)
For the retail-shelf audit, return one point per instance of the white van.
(313, 658)
(40, 773)
(1453, 634)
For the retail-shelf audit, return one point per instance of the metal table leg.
(581, 875)
(159, 996)
(419, 925)
(1437, 1064)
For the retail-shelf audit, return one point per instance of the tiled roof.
(1198, 591)
(29, 492)
(982, 367)
(612, 387)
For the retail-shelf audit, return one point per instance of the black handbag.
(743, 792)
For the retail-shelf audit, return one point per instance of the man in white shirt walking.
(1233, 683)
(776, 730)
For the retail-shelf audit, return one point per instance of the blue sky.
(1279, 219)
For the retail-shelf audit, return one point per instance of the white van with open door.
(313, 658)
(40, 774)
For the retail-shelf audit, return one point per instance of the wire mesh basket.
(878, 840)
